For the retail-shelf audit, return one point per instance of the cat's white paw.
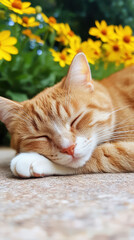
(22, 164)
(28, 165)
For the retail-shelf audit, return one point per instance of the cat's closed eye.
(45, 137)
(74, 122)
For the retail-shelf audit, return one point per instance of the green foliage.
(34, 69)
(101, 71)
(27, 74)
(81, 14)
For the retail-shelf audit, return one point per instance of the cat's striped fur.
(78, 125)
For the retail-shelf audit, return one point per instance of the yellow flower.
(102, 31)
(124, 35)
(114, 51)
(6, 45)
(24, 21)
(51, 20)
(128, 58)
(62, 39)
(64, 32)
(75, 46)
(32, 36)
(62, 57)
(92, 50)
(18, 6)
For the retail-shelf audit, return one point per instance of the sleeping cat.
(77, 126)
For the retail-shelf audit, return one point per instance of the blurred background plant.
(38, 43)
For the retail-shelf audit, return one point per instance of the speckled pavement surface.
(96, 206)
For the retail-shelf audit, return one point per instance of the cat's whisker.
(124, 131)
(118, 109)
(124, 127)
(118, 124)
(116, 134)
(124, 120)
(119, 139)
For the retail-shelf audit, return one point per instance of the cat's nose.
(69, 150)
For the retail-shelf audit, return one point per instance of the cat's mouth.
(76, 161)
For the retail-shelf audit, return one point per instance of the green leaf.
(99, 71)
(16, 96)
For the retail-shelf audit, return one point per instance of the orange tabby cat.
(76, 126)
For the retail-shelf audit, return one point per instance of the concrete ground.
(95, 206)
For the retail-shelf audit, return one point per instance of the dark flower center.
(17, 4)
(25, 20)
(116, 48)
(126, 39)
(52, 20)
(104, 31)
(63, 56)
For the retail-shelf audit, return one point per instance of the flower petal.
(97, 24)
(35, 24)
(128, 30)
(10, 49)
(94, 31)
(29, 10)
(15, 18)
(4, 35)
(62, 63)
(25, 4)
(103, 24)
(5, 55)
(9, 41)
(31, 20)
(45, 18)
(16, 10)
(5, 2)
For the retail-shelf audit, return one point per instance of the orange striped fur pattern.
(79, 123)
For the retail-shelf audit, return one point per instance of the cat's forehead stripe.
(37, 112)
(57, 128)
(60, 109)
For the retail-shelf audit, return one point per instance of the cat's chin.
(77, 162)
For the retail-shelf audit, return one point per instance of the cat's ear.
(79, 73)
(8, 109)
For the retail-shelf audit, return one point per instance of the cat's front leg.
(26, 165)
(111, 157)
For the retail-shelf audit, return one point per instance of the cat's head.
(65, 122)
